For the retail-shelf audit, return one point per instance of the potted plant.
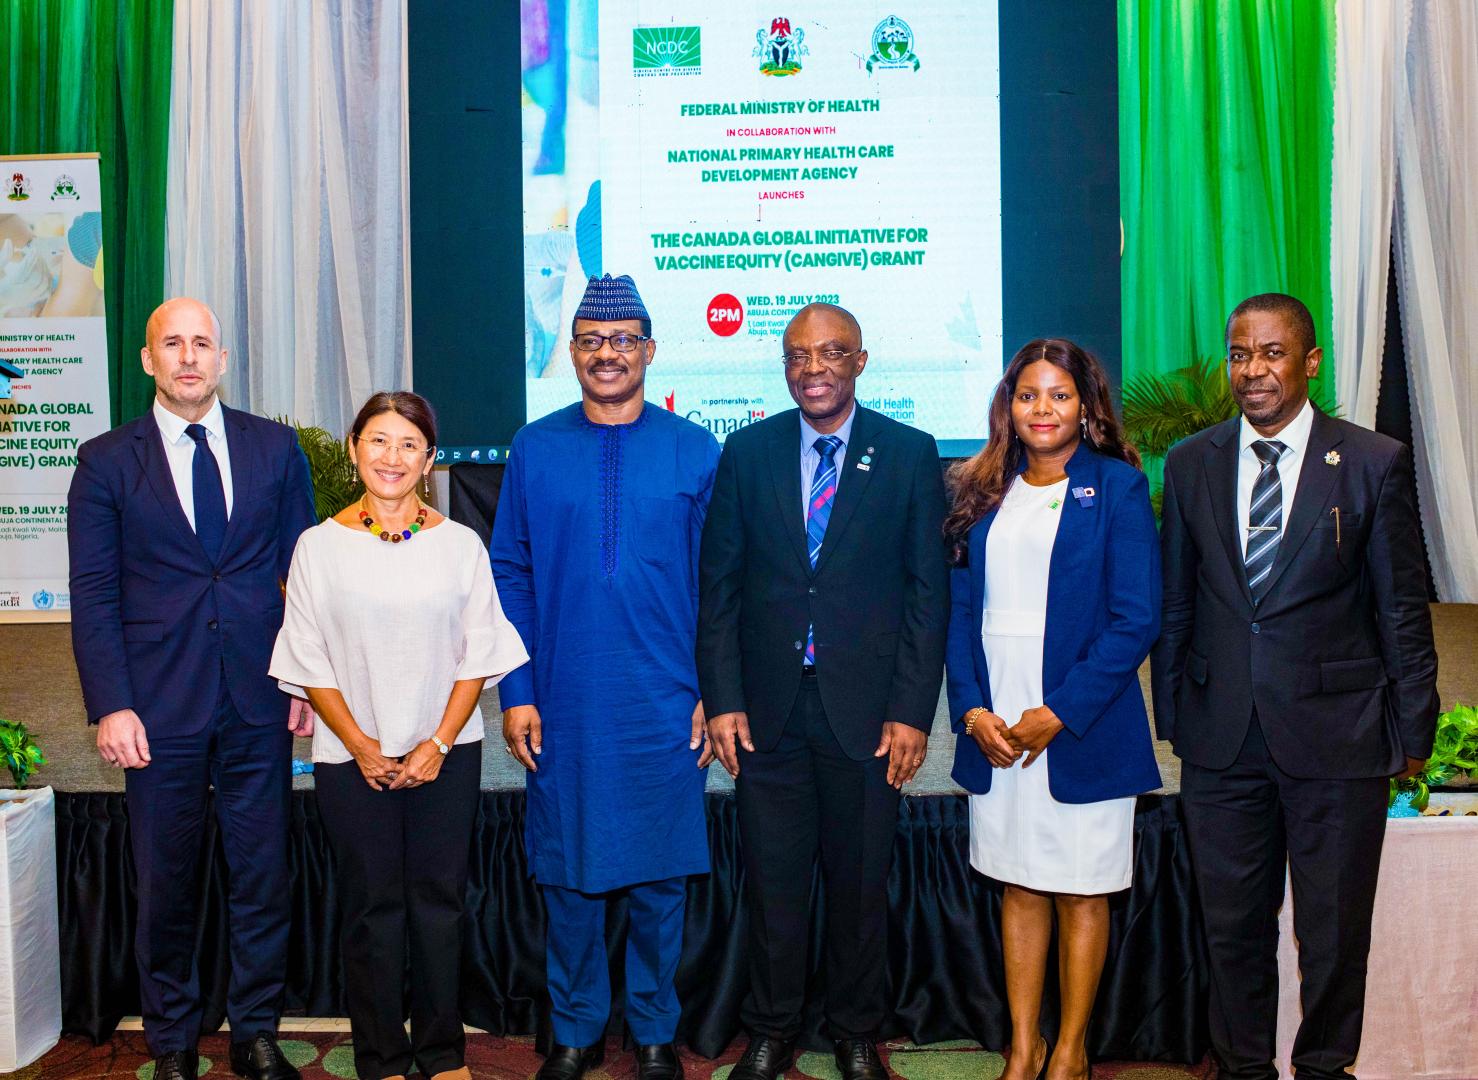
(336, 483)
(30, 946)
(1453, 763)
(22, 756)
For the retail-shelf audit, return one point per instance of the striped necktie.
(818, 513)
(1264, 517)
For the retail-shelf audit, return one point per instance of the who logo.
(666, 50)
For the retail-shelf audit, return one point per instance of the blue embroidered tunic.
(595, 554)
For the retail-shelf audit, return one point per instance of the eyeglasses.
(796, 361)
(622, 343)
(380, 446)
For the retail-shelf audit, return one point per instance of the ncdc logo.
(666, 50)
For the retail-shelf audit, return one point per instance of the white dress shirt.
(810, 458)
(1295, 437)
(179, 451)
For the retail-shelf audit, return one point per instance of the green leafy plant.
(1160, 410)
(1454, 755)
(336, 482)
(22, 756)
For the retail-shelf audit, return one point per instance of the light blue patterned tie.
(818, 513)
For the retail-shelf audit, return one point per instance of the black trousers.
(250, 769)
(402, 869)
(803, 796)
(1244, 823)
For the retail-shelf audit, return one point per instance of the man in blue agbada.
(595, 553)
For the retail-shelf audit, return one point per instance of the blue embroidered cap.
(609, 299)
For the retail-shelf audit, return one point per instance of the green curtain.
(1226, 138)
(87, 76)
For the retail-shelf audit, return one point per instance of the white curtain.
(1437, 265)
(287, 204)
(1406, 155)
(1360, 206)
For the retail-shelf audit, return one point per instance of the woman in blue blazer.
(1055, 604)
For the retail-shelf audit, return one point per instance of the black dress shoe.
(177, 1065)
(858, 1060)
(260, 1058)
(570, 1062)
(658, 1062)
(764, 1059)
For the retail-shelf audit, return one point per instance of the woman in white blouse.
(392, 630)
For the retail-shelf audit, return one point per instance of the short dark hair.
(1276, 303)
(646, 325)
(404, 403)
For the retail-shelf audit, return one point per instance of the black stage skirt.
(945, 973)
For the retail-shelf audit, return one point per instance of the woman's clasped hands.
(421, 766)
(1004, 744)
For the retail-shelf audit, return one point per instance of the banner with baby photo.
(53, 367)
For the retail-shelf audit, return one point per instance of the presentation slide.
(740, 161)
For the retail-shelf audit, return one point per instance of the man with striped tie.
(1295, 673)
(823, 605)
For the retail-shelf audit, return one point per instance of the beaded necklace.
(380, 531)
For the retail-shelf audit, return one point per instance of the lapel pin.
(1332, 458)
(866, 463)
(1084, 495)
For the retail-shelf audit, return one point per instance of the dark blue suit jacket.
(152, 617)
(1103, 614)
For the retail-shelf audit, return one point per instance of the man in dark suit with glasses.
(823, 608)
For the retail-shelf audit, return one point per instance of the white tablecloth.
(1421, 998)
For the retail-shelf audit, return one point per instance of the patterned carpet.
(321, 1056)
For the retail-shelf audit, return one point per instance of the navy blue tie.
(210, 494)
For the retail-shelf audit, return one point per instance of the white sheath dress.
(1018, 832)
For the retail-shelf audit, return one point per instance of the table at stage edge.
(1421, 996)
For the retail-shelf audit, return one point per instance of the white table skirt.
(1421, 998)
